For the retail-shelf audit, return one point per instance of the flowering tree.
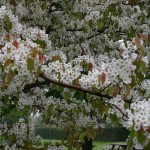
(75, 61)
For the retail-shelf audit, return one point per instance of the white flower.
(134, 56)
(146, 60)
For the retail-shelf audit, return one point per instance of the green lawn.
(97, 145)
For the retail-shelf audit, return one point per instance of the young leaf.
(16, 44)
(137, 42)
(90, 66)
(117, 89)
(102, 78)
(42, 58)
(144, 37)
(8, 62)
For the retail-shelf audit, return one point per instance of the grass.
(97, 144)
(103, 145)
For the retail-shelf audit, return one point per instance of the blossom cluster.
(20, 133)
(114, 69)
(9, 22)
(86, 19)
(88, 54)
(142, 116)
(86, 121)
(20, 50)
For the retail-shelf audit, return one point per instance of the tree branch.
(49, 29)
(77, 87)
(36, 84)
(123, 113)
(48, 80)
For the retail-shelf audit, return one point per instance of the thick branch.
(49, 29)
(77, 87)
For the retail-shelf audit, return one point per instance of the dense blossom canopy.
(74, 61)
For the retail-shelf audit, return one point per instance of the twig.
(124, 114)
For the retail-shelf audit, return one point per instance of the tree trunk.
(87, 145)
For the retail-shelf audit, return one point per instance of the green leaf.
(28, 144)
(128, 89)
(140, 136)
(143, 66)
(99, 24)
(98, 104)
(139, 77)
(67, 95)
(78, 15)
(30, 64)
(91, 24)
(8, 24)
(133, 82)
(147, 146)
(114, 119)
(61, 88)
(13, 2)
(8, 62)
(132, 132)
(43, 6)
(101, 107)
(95, 88)
(130, 144)
(57, 57)
(9, 77)
(82, 136)
(38, 72)
(49, 112)
(79, 95)
(41, 43)
(110, 90)
(1, 66)
(3, 87)
(84, 29)
(12, 138)
(131, 32)
(126, 105)
(46, 144)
